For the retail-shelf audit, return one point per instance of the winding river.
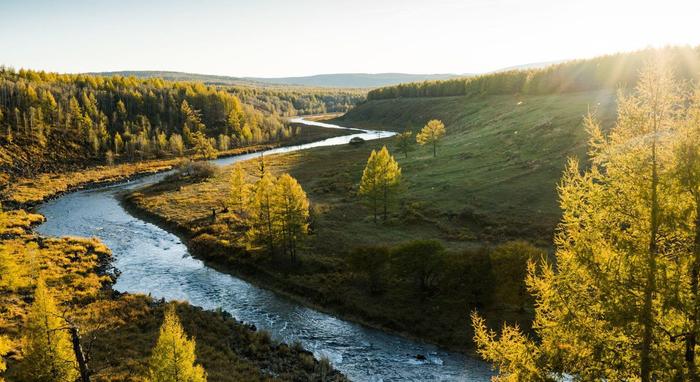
(154, 261)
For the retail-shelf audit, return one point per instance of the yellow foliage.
(173, 358)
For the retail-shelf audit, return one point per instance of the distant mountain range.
(340, 80)
(337, 80)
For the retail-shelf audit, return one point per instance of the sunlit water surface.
(153, 261)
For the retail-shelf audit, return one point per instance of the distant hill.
(354, 80)
(340, 80)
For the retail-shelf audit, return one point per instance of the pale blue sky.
(289, 38)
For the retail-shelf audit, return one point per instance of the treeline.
(476, 277)
(122, 118)
(289, 102)
(605, 72)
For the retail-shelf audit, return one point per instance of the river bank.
(28, 192)
(81, 275)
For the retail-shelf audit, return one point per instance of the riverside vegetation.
(54, 291)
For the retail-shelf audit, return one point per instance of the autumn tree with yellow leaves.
(380, 181)
(622, 301)
(431, 134)
(48, 352)
(173, 358)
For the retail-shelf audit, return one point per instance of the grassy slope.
(498, 166)
(488, 184)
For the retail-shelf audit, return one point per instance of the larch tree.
(262, 214)
(431, 134)
(380, 181)
(404, 142)
(48, 353)
(173, 358)
(240, 190)
(687, 178)
(291, 212)
(619, 303)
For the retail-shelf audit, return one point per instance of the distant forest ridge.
(336, 80)
(604, 72)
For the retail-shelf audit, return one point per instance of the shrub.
(509, 263)
(421, 260)
(371, 262)
(469, 274)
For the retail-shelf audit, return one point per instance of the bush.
(198, 171)
(509, 263)
(371, 261)
(421, 260)
(470, 275)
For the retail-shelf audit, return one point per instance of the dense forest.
(605, 72)
(288, 101)
(265, 95)
(48, 119)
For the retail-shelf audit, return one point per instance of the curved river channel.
(154, 261)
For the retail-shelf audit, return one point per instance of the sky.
(273, 38)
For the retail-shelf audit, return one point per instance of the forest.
(605, 72)
(49, 120)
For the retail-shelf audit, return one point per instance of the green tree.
(380, 181)
(291, 212)
(404, 142)
(48, 353)
(431, 134)
(173, 358)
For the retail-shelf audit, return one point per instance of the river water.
(154, 261)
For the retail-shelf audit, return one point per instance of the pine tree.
(431, 133)
(173, 357)
(48, 353)
(291, 212)
(240, 190)
(380, 181)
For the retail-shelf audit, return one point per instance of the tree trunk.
(79, 356)
(647, 311)
(691, 339)
(385, 199)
